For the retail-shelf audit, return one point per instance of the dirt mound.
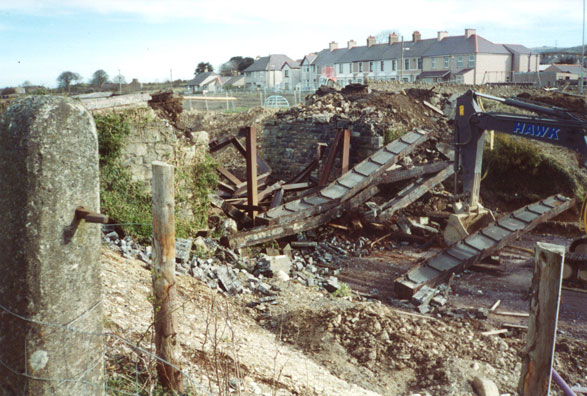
(575, 104)
(392, 345)
(383, 112)
(167, 105)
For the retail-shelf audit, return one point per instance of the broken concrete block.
(201, 245)
(439, 301)
(228, 227)
(269, 265)
(227, 280)
(287, 250)
(423, 296)
(183, 248)
(332, 284)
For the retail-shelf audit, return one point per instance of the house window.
(446, 62)
(370, 66)
(286, 73)
(434, 63)
(394, 65)
(471, 60)
(419, 63)
(360, 66)
(460, 62)
(382, 65)
(340, 68)
(406, 64)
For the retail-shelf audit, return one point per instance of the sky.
(155, 40)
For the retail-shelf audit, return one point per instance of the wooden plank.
(412, 193)
(346, 145)
(305, 173)
(540, 340)
(251, 157)
(330, 158)
(228, 175)
(296, 186)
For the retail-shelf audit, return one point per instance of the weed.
(343, 291)
(394, 134)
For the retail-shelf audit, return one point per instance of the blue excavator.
(549, 124)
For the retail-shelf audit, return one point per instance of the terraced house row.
(465, 59)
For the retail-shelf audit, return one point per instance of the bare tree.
(99, 78)
(383, 36)
(66, 78)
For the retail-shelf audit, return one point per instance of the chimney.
(416, 36)
(392, 38)
(332, 46)
(351, 43)
(442, 35)
(371, 41)
(470, 32)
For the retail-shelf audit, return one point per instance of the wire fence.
(109, 364)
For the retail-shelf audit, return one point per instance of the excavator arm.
(552, 125)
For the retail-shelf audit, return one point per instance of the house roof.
(518, 49)
(271, 62)
(200, 78)
(292, 64)
(234, 79)
(327, 57)
(460, 45)
(464, 71)
(575, 69)
(309, 58)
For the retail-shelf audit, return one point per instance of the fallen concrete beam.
(348, 185)
(410, 194)
(479, 245)
(275, 231)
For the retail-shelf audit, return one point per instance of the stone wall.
(154, 139)
(289, 145)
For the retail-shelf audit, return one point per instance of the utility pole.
(171, 78)
(119, 83)
(401, 66)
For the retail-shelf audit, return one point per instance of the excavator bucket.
(461, 225)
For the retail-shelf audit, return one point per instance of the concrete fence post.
(50, 290)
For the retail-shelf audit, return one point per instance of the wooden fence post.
(164, 286)
(251, 157)
(540, 341)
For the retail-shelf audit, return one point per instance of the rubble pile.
(167, 104)
(383, 110)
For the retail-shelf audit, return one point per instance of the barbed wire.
(78, 378)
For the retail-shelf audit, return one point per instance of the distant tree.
(119, 79)
(235, 65)
(8, 91)
(568, 60)
(66, 78)
(99, 78)
(383, 36)
(27, 83)
(203, 67)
